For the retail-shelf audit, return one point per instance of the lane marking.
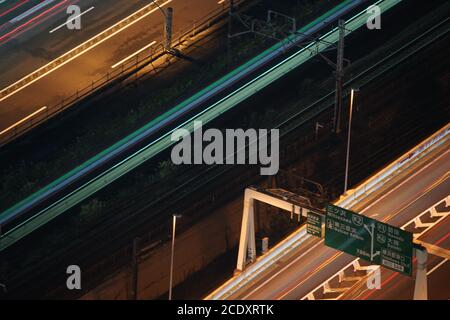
(70, 20)
(23, 120)
(133, 54)
(437, 267)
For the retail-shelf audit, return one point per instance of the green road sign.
(369, 239)
(314, 224)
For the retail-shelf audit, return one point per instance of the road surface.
(313, 263)
(29, 45)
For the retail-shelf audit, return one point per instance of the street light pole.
(352, 95)
(174, 224)
(159, 7)
(168, 25)
(230, 30)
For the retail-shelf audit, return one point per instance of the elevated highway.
(301, 266)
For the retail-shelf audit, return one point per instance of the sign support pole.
(421, 288)
(247, 246)
(247, 241)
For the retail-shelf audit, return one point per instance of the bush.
(91, 211)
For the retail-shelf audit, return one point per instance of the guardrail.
(144, 57)
(403, 163)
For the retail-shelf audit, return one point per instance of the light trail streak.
(133, 54)
(74, 53)
(31, 11)
(47, 17)
(23, 120)
(7, 35)
(13, 8)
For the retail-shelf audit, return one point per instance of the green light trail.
(164, 142)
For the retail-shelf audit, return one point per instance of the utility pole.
(339, 78)
(168, 29)
(168, 25)
(230, 30)
(134, 269)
